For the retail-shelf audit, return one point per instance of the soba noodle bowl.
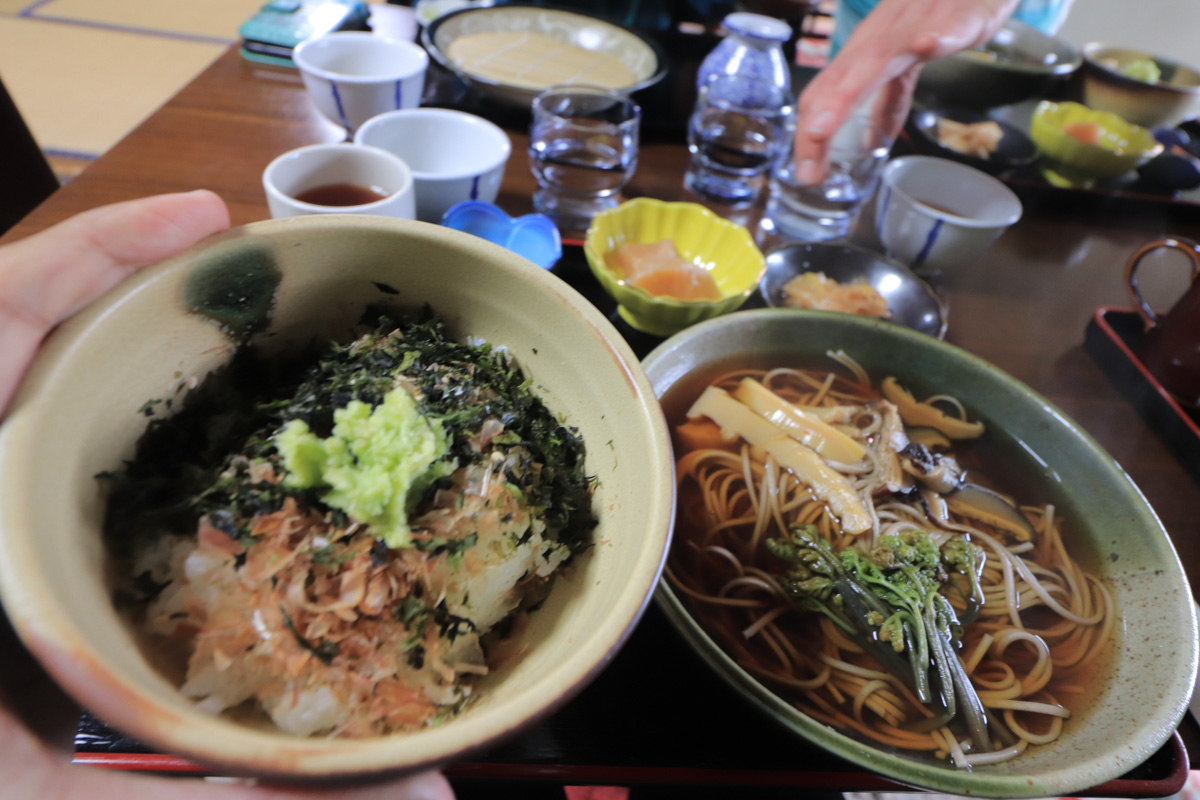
(831, 541)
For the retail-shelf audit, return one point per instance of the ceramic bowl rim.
(1092, 50)
(60, 643)
(1075, 777)
(377, 152)
(493, 131)
(410, 48)
(896, 164)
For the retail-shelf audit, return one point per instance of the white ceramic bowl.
(77, 414)
(327, 165)
(933, 214)
(353, 75)
(454, 156)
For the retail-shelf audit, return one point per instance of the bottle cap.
(759, 25)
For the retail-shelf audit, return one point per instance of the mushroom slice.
(935, 506)
(799, 424)
(891, 441)
(826, 483)
(938, 472)
(984, 505)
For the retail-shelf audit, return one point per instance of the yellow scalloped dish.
(703, 242)
(1083, 145)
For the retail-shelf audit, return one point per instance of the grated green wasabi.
(376, 464)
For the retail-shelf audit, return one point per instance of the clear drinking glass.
(738, 132)
(583, 146)
(826, 209)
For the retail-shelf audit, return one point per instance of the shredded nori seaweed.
(197, 461)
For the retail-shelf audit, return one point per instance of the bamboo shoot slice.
(800, 425)
(826, 483)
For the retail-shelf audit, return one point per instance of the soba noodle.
(1043, 625)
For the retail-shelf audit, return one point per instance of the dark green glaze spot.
(235, 288)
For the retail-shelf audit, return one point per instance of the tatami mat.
(213, 19)
(86, 72)
(81, 89)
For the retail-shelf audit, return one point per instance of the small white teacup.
(933, 214)
(455, 156)
(339, 179)
(353, 75)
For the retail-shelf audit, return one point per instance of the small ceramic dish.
(723, 248)
(539, 47)
(910, 300)
(1014, 149)
(533, 235)
(1137, 86)
(1060, 131)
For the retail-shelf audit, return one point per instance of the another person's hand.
(884, 54)
(43, 280)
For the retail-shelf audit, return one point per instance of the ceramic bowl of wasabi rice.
(903, 555)
(332, 498)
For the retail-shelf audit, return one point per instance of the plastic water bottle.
(753, 48)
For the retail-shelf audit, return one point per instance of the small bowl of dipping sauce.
(339, 179)
(671, 265)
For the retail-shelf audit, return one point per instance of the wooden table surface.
(1023, 305)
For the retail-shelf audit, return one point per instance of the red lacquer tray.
(1112, 338)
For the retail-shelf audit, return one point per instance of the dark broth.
(995, 460)
(342, 194)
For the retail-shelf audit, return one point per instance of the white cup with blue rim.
(454, 156)
(352, 76)
(934, 214)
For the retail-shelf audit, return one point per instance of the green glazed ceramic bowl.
(724, 248)
(1172, 98)
(1140, 703)
(1121, 147)
(77, 414)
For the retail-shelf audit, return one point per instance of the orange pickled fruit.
(657, 269)
(633, 260)
(687, 282)
(1085, 131)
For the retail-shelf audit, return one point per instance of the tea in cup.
(1171, 346)
(339, 179)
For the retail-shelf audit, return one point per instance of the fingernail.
(806, 172)
(821, 122)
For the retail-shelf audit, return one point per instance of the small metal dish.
(911, 301)
(1015, 148)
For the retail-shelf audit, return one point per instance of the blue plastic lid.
(759, 25)
(533, 236)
